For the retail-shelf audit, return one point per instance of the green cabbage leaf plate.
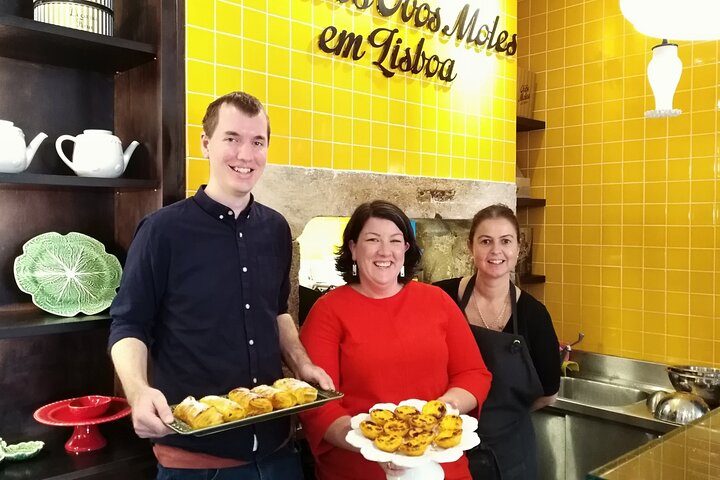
(68, 274)
(20, 451)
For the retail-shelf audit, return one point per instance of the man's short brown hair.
(244, 102)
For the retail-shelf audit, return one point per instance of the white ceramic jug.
(15, 157)
(98, 153)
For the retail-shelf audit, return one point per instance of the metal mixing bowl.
(702, 381)
(681, 407)
(654, 398)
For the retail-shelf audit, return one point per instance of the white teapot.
(15, 157)
(98, 153)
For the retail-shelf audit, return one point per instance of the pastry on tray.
(230, 410)
(197, 414)
(241, 403)
(303, 391)
(254, 403)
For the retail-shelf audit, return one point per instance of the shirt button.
(230, 212)
(254, 380)
(221, 217)
(252, 342)
(248, 216)
(244, 269)
(240, 234)
(247, 306)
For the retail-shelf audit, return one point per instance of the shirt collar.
(217, 209)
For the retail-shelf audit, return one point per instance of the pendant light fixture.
(676, 19)
(663, 73)
(680, 20)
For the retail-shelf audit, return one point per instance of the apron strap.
(513, 301)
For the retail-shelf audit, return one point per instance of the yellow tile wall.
(330, 112)
(629, 238)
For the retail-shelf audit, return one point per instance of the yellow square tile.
(229, 51)
(200, 44)
(253, 54)
(280, 151)
(361, 158)
(200, 77)
(301, 66)
(200, 14)
(322, 98)
(300, 95)
(342, 130)
(379, 160)
(322, 127)
(701, 300)
(228, 18)
(198, 173)
(342, 156)
(361, 132)
(279, 91)
(300, 153)
(193, 135)
(322, 154)
(279, 121)
(380, 134)
(428, 165)
(301, 124)
(196, 106)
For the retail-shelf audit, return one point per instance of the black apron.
(507, 448)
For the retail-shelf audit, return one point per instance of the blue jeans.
(281, 465)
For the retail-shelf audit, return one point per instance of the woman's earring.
(402, 271)
(354, 269)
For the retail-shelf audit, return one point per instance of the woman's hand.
(460, 399)
(336, 432)
(391, 470)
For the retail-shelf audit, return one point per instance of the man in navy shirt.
(204, 294)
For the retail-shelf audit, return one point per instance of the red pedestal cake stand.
(86, 436)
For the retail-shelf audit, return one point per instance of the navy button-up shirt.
(203, 289)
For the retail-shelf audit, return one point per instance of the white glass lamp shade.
(664, 72)
(676, 19)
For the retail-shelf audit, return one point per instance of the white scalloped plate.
(368, 449)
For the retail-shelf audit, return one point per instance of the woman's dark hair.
(498, 210)
(386, 211)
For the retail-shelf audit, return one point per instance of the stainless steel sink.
(598, 393)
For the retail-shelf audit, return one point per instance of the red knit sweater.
(415, 344)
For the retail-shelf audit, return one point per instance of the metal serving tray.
(323, 397)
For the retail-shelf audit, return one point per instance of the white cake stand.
(424, 467)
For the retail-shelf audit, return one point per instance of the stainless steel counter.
(600, 414)
(689, 452)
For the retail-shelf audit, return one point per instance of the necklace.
(499, 318)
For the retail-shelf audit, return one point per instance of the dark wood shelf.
(525, 124)
(25, 39)
(30, 323)
(72, 181)
(532, 278)
(125, 456)
(530, 202)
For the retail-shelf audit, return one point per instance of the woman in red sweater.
(383, 338)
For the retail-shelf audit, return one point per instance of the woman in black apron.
(518, 344)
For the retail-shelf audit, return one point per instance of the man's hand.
(312, 373)
(150, 413)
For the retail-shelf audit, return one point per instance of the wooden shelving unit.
(59, 80)
(525, 124)
(35, 180)
(32, 323)
(532, 278)
(25, 39)
(530, 202)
